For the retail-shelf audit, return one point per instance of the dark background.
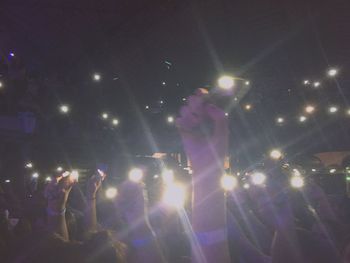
(275, 44)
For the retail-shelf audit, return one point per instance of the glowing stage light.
(35, 175)
(332, 72)
(332, 109)
(247, 83)
(163, 83)
(317, 84)
(332, 171)
(302, 119)
(96, 77)
(29, 165)
(246, 186)
(276, 154)
(104, 115)
(170, 119)
(161, 102)
(226, 82)
(146, 107)
(59, 169)
(135, 175)
(228, 182)
(1, 85)
(248, 107)
(168, 176)
(226, 114)
(280, 120)
(64, 108)
(313, 170)
(174, 195)
(74, 176)
(115, 122)
(306, 82)
(111, 192)
(7, 181)
(297, 182)
(348, 112)
(48, 179)
(309, 109)
(156, 176)
(258, 178)
(12, 54)
(184, 99)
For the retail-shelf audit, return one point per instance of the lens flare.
(168, 176)
(174, 195)
(135, 175)
(228, 182)
(276, 154)
(297, 182)
(226, 82)
(258, 178)
(111, 192)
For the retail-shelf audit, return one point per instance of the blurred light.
(297, 182)
(168, 176)
(306, 82)
(170, 119)
(111, 192)
(248, 107)
(135, 175)
(29, 165)
(228, 182)
(332, 72)
(147, 107)
(104, 116)
(313, 170)
(247, 83)
(12, 54)
(333, 109)
(35, 175)
(276, 154)
(48, 179)
(115, 122)
(226, 82)
(64, 108)
(156, 176)
(163, 83)
(258, 178)
(246, 186)
(65, 174)
(302, 118)
(96, 77)
(309, 109)
(59, 169)
(174, 195)
(348, 111)
(317, 84)
(235, 99)
(296, 172)
(280, 120)
(161, 102)
(226, 114)
(332, 171)
(7, 181)
(184, 99)
(74, 175)
(348, 178)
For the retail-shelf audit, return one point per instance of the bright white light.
(226, 114)
(104, 115)
(163, 83)
(29, 165)
(226, 82)
(248, 107)
(115, 122)
(111, 192)
(313, 170)
(332, 171)
(1, 85)
(135, 175)
(7, 181)
(64, 108)
(306, 82)
(35, 175)
(228, 182)
(156, 176)
(317, 84)
(74, 175)
(297, 182)
(309, 109)
(147, 107)
(48, 179)
(333, 109)
(296, 172)
(12, 54)
(59, 169)
(302, 118)
(161, 102)
(246, 186)
(247, 83)
(348, 112)
(280, 120)
(258, 178)
(96, 77)
(170, 119)
(332, 72)
(275, 154)
(174, 195)
(168, 176)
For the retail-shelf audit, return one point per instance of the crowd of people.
(62, 222)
